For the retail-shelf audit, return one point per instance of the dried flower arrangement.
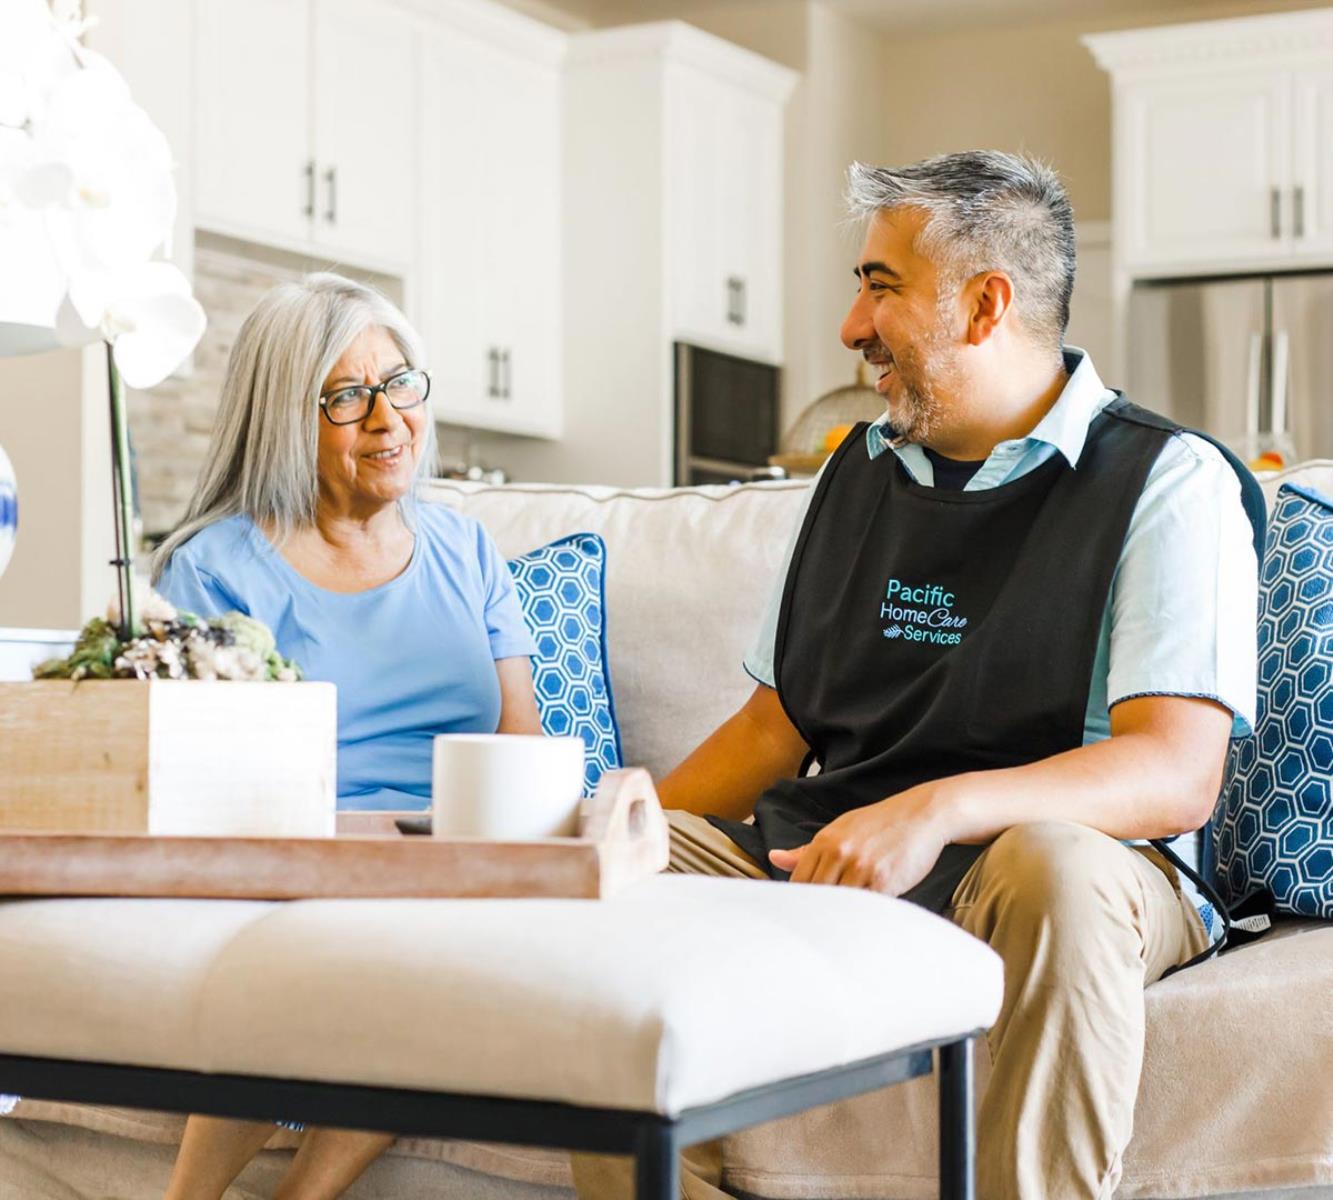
(173, 645)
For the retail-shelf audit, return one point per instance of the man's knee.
(1056, 870)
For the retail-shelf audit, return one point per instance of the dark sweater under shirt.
(952, 474)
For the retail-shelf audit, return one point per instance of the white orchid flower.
(146, 312)
(104, 170)
(86, 199)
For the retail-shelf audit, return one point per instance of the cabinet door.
(365, 133)
(724, 214)
(491, 237)
(252, 132)
(523, 194)
(453, 231)
(1206, 170)
(751, 184)
(697, 278)
(1312, 165)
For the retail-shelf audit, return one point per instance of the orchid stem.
(123, 499)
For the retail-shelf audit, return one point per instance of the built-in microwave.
(727, 415)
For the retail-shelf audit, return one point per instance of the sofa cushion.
(1275, 826)
(561, 589)
(688, 572)
(613, 1002)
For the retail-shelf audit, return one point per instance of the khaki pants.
(1083, 924)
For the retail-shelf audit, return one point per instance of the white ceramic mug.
(506, 787)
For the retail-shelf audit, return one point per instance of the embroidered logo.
(921, 614)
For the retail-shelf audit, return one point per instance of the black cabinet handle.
(1298, 211)
(1275, 212)
(331, 178)
(507, 379)
(492, 373)
(309, 210)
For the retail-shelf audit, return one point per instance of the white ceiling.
(937, 16)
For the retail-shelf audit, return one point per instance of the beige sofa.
(1237, 1093)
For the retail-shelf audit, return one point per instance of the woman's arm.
(518, 701)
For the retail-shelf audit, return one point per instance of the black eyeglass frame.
(375, 390)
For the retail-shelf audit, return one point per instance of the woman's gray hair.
(263, 453)
(985, 211)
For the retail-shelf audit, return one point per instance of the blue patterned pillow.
(1276, 820)
(562, 591)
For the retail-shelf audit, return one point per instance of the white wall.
(54, 424)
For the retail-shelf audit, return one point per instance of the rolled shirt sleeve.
(758, 661)
(1185, 596)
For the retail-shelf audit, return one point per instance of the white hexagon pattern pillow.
(561, 589)
(1275, 823)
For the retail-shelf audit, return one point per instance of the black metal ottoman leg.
(958, 1144)
(656, 1165)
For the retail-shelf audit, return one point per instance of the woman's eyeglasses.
(351, 405)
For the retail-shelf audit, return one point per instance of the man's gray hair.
(986, 211)
(262, 459)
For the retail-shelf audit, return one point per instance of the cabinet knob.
(331, 180)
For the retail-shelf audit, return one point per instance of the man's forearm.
(1141, 783)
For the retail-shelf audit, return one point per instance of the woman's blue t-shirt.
(411, 658)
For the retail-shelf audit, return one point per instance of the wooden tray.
(622, 837)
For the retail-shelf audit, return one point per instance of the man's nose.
(858, 329)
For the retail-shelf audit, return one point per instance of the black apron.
(926, 633)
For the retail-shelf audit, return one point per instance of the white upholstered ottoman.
(679, 1010)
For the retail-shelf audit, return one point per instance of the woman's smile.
(389, 457)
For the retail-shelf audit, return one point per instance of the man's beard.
(915, 404)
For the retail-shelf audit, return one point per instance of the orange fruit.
(834, 437)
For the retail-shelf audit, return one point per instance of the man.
(1016, 630)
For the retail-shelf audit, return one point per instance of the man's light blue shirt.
(1181, 616)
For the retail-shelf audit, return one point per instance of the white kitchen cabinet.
(365, 145)
(723, 198)
(673, 231)
(1223, 143)
(305, 127)
(491, 238)
(1207, 163)
(252, 119)
(1312, 165)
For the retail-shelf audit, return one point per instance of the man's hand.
(1156, 775)
(887, 847)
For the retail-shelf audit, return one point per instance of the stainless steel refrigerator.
(1248, 360)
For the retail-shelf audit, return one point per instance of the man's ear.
(992, 294)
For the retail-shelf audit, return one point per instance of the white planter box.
(169, 757)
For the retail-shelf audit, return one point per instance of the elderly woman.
(305, 518)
